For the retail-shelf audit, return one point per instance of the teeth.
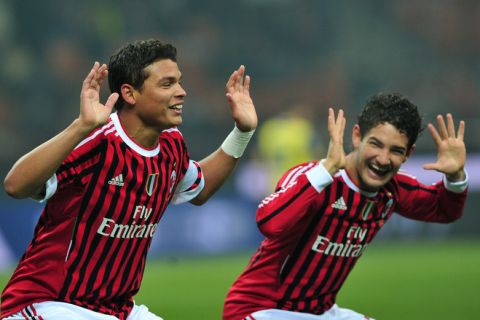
(177, 107)
(379, 169)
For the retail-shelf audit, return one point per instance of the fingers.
(433, 131)
(450, 126)
(238, 81)
(246, 84)
(446, 130)
(91, 74)
(336, 127)
(442, 127)
(96, 75)
(112, 99)
(461, 130)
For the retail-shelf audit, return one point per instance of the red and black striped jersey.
(316, 227)
(106, 199)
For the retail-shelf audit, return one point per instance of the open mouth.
(380, 171)
(176, 107)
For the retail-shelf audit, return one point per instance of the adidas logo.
(339, 204)
(117, 181)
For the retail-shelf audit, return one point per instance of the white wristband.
(236, 142)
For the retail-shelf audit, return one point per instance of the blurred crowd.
(303, 56)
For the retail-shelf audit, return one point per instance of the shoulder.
(171, 133)
(293, 173)
(100, 134)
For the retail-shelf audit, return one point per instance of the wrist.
(236, 142)
(329, 166)
(83, 129)
(457, 176)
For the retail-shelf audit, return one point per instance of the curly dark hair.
(128, 64)
(395, 109)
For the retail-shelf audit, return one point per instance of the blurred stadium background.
(303, 57)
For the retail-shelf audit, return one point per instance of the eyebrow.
(398, 148)
(169, 78)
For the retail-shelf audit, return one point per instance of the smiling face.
(377, 156)
(159, 101)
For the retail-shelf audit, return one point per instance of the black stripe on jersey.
(198, 180)
(83, 243)
(107, 249)
(392, 187)
(123, 211)
(284, 206)
(29, 313)
(132, 271)
(347, 263)
(86, 252)
(306, 235)
(312, 254)
(411, 188)
(361, 204)
(305, 263)
(350, 198)
(126, 251)
(77, 162)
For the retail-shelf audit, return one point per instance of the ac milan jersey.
(316, 227)
(91, 241)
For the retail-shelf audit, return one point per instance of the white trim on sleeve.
(458, 186)
(184, 191)
(50, 188)
(319, 177)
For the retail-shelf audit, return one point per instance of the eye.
(398, 152)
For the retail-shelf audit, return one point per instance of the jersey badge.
(152, 182)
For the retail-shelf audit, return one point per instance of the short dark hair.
(128, 64)
(395, 109)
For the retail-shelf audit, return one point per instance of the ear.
(128, 93)
(409, 152)
(356, 136)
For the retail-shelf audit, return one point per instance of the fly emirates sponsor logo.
(342, 249)
(109, 227)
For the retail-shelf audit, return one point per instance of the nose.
(180, 92)
(383, 158)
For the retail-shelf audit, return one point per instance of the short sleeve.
(191, 184)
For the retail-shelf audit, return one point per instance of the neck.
(144, 136)
(351, 168)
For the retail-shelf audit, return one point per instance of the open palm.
(241, 104)
(92, 112)
(451, 151)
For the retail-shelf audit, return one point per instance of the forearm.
(219, 165)
(29, 174)
(216, 168)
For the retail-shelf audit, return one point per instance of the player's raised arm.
(29, 174)
(241, 104)
(335, 158)
(219, 165)
(451, 150)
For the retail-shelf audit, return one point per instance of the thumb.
(431, 166)
(112, 99)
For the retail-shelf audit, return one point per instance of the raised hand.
(336, 158)
(451, 151)
(92, 113)
(241, 104)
